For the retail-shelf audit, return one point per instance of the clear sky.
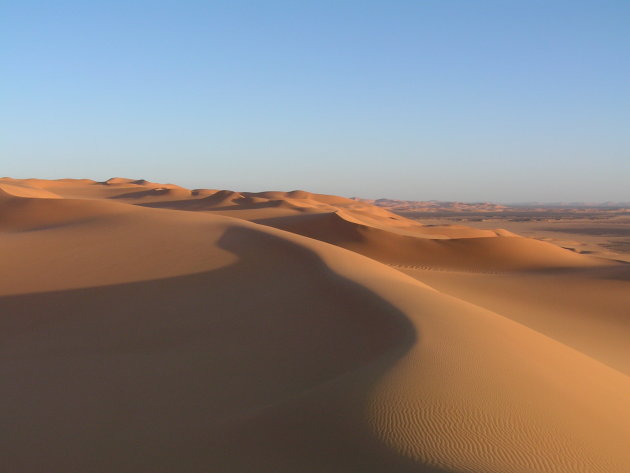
(468, 100)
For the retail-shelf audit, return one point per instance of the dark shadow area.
(242, 369)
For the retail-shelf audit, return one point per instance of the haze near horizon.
(471, 101)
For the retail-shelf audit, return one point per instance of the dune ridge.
(150, 328)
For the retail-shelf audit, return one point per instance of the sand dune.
(474, 254)
(143, 328)
(481, 393)
(585, 308)
(19, 189)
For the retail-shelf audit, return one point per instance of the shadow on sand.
(242, 369)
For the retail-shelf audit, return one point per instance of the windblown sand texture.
(148, 328)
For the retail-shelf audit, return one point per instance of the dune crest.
(151, 328)
(8, 189)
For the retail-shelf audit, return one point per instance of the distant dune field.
(595, 229)
(149, 328)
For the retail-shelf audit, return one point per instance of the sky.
(469, 100)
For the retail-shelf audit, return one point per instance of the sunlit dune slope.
(137, 339)
(10, 188)
(473, 254)
(585, 308)
(479, 392)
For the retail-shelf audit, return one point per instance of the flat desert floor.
(149, 328)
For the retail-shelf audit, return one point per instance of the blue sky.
(437, 99)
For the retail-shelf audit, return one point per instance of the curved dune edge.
(584, 308)
(190, 341)
(502, 253)
(143, 192)
(481, 393)
(175, 359)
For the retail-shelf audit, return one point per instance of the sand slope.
(138, 339)
(472, 253)
(585, 308)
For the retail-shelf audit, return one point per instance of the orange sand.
(150, 328)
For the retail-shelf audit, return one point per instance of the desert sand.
(596, 229)
(146, 327)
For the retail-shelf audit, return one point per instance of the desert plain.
(150, 328)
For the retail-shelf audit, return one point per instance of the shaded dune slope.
(155, 340)
(170, 363)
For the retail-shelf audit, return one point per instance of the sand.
(150, 328)
(599, 231)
